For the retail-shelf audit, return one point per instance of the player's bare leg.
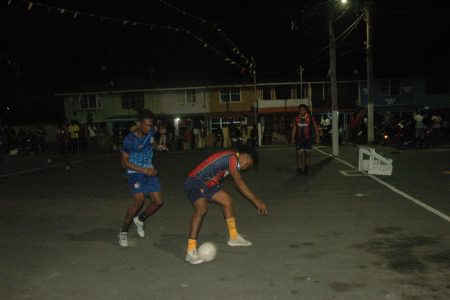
(300, 161)
(307, 160)
(153, 207)
(200, 210)
(225, 200)
(138, 202)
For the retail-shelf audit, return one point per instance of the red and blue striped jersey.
(216, 167)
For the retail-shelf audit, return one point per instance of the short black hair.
(250, 151)
(144, 114)
(305, 106)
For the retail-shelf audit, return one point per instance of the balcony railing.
(285, 105)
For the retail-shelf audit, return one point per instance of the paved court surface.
(328, 236)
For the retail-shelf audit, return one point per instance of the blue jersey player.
(137, 155)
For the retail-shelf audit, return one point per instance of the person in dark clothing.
(304, 132)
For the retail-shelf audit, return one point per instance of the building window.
(436, 86)
(394, 87)
(191, 97)
(230, 95)
(133, 100)
(389, 87)
(283, 92)
(383, 87)
(90, 102)
(266, 93)
(302, 91)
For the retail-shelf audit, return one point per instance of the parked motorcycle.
(404, 136)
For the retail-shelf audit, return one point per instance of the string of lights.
(215, 27)
(76, 14)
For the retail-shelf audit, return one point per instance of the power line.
(126, 22)
(214, 27)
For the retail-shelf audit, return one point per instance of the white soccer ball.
(207, 251)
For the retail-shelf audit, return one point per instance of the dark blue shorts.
(141, 183)
(303, 143)
(196, 189)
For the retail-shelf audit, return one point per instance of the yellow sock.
(231, 224)
(192, 244)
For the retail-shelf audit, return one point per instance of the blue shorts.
(196, 189)
(141, 183)
(303, 143)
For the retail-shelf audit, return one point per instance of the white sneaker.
(123, 239)
(139, 227)
(193, 257)
(239, 241)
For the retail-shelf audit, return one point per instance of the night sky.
(47, 49)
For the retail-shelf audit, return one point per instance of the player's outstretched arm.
(245, 190)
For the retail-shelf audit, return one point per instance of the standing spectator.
(187, 138)
(356, 126)
(89, 119)
(218, 137)
(163, 135)
(116, 137)
(62, 141)
(304, 132)
(92, 137)
(325, 126)
(419, 128)
(254, 137)
(157, 136)
(196, 141)
(41, 139)
(427, 125)
(74, 135)
(436, 125)
(233, 133)
(202, 141)
(244, 134)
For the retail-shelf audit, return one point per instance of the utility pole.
(334, 100)
(253, 70)
(370, 107)
(300, 71)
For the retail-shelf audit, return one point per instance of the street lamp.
(333, 80)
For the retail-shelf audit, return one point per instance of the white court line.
(50, 166)
(392, 188)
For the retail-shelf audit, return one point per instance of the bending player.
(202, 186)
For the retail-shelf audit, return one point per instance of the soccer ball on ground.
(207, 251)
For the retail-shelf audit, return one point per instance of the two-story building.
(273, 104)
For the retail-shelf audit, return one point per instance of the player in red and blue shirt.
(304, 133)
(203, 185)
(137, 155)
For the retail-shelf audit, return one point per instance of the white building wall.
(175, 103)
